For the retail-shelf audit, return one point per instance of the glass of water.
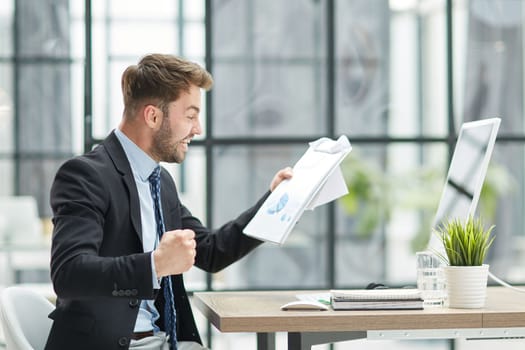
(430, 279)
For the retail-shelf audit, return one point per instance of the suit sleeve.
(91, 254)
(216, 249)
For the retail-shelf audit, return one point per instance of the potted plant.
(466, 244)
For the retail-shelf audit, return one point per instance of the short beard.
(162, 148)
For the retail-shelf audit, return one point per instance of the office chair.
(23, 314)
(22, 232)
(22, 223)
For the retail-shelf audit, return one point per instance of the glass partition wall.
(397, 77)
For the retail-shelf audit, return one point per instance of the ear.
(152, 116)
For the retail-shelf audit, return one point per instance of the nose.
(197, 129)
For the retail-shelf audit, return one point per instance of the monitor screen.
(466, 172)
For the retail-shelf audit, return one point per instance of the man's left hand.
(281, 175)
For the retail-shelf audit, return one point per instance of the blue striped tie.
(170, 318)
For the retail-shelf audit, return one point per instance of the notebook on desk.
(377, 299)
(376, 294)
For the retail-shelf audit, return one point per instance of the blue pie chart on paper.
(274, 208)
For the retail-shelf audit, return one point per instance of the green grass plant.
(466, 242)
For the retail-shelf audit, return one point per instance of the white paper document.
(317, 179)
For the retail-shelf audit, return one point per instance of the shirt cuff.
(154, 278)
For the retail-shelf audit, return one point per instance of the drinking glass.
(430, 279)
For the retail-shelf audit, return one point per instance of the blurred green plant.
(368, 199)
(374, 194)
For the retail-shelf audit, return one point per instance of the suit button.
(133, 303)
(123, 341)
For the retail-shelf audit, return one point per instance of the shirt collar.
(141, 164)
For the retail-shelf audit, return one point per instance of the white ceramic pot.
(466, 286)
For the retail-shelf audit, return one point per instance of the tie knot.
(154, 178)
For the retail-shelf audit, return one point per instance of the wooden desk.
(259, 312)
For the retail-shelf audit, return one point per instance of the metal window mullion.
(330, 112)
(88, 97)
(16, 102)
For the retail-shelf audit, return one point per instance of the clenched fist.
(175, 253)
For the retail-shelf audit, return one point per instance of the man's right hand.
(175, 253)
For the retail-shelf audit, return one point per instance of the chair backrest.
(24, 318)
(21, 222)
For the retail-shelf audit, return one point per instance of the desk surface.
(260, 312)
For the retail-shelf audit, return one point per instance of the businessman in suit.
(121, 241)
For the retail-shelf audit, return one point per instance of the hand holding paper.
(317, 180)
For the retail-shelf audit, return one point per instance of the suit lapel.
(117, 154)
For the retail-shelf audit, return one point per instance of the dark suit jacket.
(98, 267)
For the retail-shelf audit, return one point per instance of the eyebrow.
(195, 108)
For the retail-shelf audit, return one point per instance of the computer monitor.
(466, 173)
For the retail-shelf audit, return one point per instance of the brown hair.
(160, 79)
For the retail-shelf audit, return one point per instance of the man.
(118, 284)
